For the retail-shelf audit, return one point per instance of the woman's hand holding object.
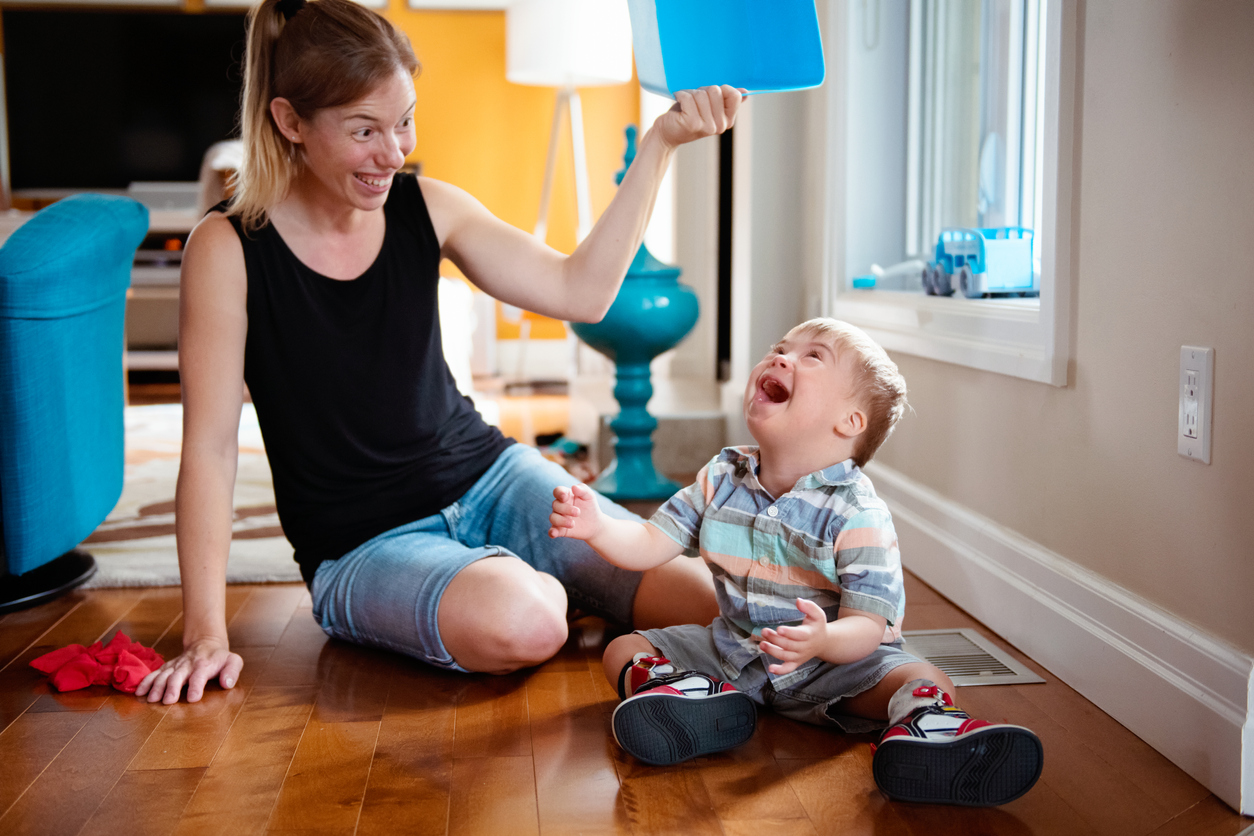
(699, 113)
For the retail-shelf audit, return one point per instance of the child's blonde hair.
(879, 385)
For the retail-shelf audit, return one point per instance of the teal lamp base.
(650, 315)
(632, 475)
(623, 482)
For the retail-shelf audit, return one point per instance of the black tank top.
(363, 425)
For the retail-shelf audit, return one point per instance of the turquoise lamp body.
(650, 315)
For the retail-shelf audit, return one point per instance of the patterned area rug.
(134, 546)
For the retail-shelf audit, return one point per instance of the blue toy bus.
(983, 262)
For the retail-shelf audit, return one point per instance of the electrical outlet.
(1197, 378)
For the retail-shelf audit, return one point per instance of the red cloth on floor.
(79, 672)
(121, 663)
(49, 663)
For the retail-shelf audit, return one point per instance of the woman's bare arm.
(213, 324)
(512, 266)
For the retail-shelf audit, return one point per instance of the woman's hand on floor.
(200, 662)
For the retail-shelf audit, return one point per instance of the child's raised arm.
(625, 543)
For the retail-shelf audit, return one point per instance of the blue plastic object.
(760, 45)
(984, 262)
(63, 281)
(863, 282)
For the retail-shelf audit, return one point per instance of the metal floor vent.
(966, 657)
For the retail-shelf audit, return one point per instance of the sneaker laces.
(642, 669)
(913, 695)
(685, 683)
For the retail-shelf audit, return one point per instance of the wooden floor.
(321, 737)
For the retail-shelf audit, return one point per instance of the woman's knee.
(532, 627)
(499, 615)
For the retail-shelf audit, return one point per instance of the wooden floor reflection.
(322, 737)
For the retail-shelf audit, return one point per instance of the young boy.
(809, 585)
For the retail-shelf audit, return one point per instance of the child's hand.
(575, 513)
(795, 646)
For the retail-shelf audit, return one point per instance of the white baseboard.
(1186, 693)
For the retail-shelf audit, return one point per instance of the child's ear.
(851, 424)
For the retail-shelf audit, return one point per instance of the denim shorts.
(811, 699)
(386, 592)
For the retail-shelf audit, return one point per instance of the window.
(973, 127)
(943, 114)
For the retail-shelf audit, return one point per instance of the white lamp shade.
(568, 43)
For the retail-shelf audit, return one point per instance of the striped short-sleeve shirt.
(830, 540)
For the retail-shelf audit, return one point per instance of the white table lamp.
(567, 44)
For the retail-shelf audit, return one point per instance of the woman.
(417, 527)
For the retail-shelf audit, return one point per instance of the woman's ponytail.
(269, 163)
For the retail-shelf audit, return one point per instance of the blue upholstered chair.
(63, 281)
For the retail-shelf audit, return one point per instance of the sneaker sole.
(662, 729)
(983, 768)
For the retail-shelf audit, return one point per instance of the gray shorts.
(810, 699)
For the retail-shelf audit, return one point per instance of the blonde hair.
(316, 54)
(879, 385)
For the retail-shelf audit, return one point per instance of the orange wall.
(490, 137)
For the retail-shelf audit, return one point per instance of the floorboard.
(147, 803)
(73, 785)
(492, 795)
(21, 685)
(568, 738)
(412, 771)
(239, 789)
(18, 630)
(327, 779)
(322, 737)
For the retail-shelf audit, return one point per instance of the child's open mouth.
(773, 389)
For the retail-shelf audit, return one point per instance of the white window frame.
(1016, 337)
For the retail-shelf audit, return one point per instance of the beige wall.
(1163, 250)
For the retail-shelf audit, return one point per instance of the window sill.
(1007, 336)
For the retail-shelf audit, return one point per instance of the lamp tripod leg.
(550, 163)
(583, 199)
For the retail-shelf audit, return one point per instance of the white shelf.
(155, 276)
(152, 360)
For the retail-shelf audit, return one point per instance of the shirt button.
(773, 511)
(762, 561)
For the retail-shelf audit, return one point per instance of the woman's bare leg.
(499, 614)
(678, 592)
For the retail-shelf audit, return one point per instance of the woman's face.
(353, 150)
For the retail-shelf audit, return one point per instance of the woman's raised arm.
(514, 267)
(213, 324)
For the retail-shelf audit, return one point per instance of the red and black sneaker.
(938, 754)
(643, 667)
(678, 715)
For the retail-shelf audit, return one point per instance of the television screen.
(102, 99)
